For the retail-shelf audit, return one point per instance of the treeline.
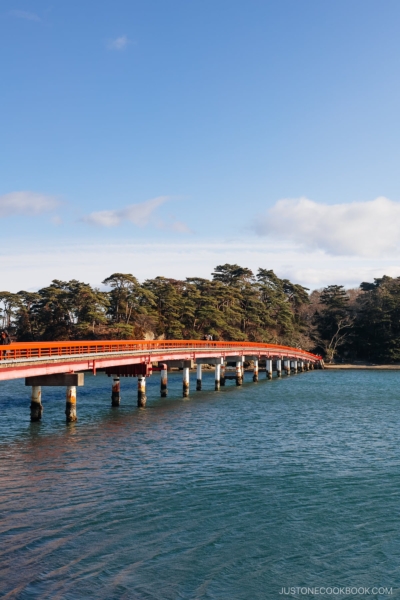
(361, 324)
(236, 304)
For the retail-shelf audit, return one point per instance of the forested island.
(235, 304)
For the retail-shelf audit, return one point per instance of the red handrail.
(21, 350)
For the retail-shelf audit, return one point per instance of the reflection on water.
(232, 495)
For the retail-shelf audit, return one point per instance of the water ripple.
(230, 495)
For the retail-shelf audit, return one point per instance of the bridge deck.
(45, 358)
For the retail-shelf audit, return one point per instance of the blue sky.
(165, 137)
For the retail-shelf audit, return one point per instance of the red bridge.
(64, 363)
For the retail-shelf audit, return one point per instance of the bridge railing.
(21, 350)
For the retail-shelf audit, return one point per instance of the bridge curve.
(22, 359)
(63, 364)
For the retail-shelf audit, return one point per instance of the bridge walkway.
(64, 363)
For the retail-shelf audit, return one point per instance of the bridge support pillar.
(36, 403)
(239, 372)
(294, 365)
(199, 377)
(141, 391)
(268, 368)
(70, 405)
(286, 366)
(279, 367)
(185, 382)
(222, 376)
(217, 377)
(255, 371)
(115, 392)
(164, 381)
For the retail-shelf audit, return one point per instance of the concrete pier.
(279, 367)
(268, 368)
(141, 391)
(217, 377)
(70, 405)
(36, 403)
(199, 376)
(185, 382)
(294, 366)
(222, 377)
(164, 381)
(239, 372)
(286, 366)
(255, 371)
(115, 392)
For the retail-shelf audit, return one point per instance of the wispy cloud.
(23, 14)
(119, 43)
(26, 203)
(138, 214)
(56, 220)
(369, 228)
(180, 227)
(175, 226)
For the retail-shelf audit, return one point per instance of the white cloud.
(22, 14)
(369, 228)
(26, 203)
(120, 43)
(138, 214)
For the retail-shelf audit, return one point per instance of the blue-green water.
(228, 495)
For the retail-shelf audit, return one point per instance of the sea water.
(278, 488)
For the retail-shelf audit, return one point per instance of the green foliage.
(333, 321)
(377, 324)
(233, 305)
